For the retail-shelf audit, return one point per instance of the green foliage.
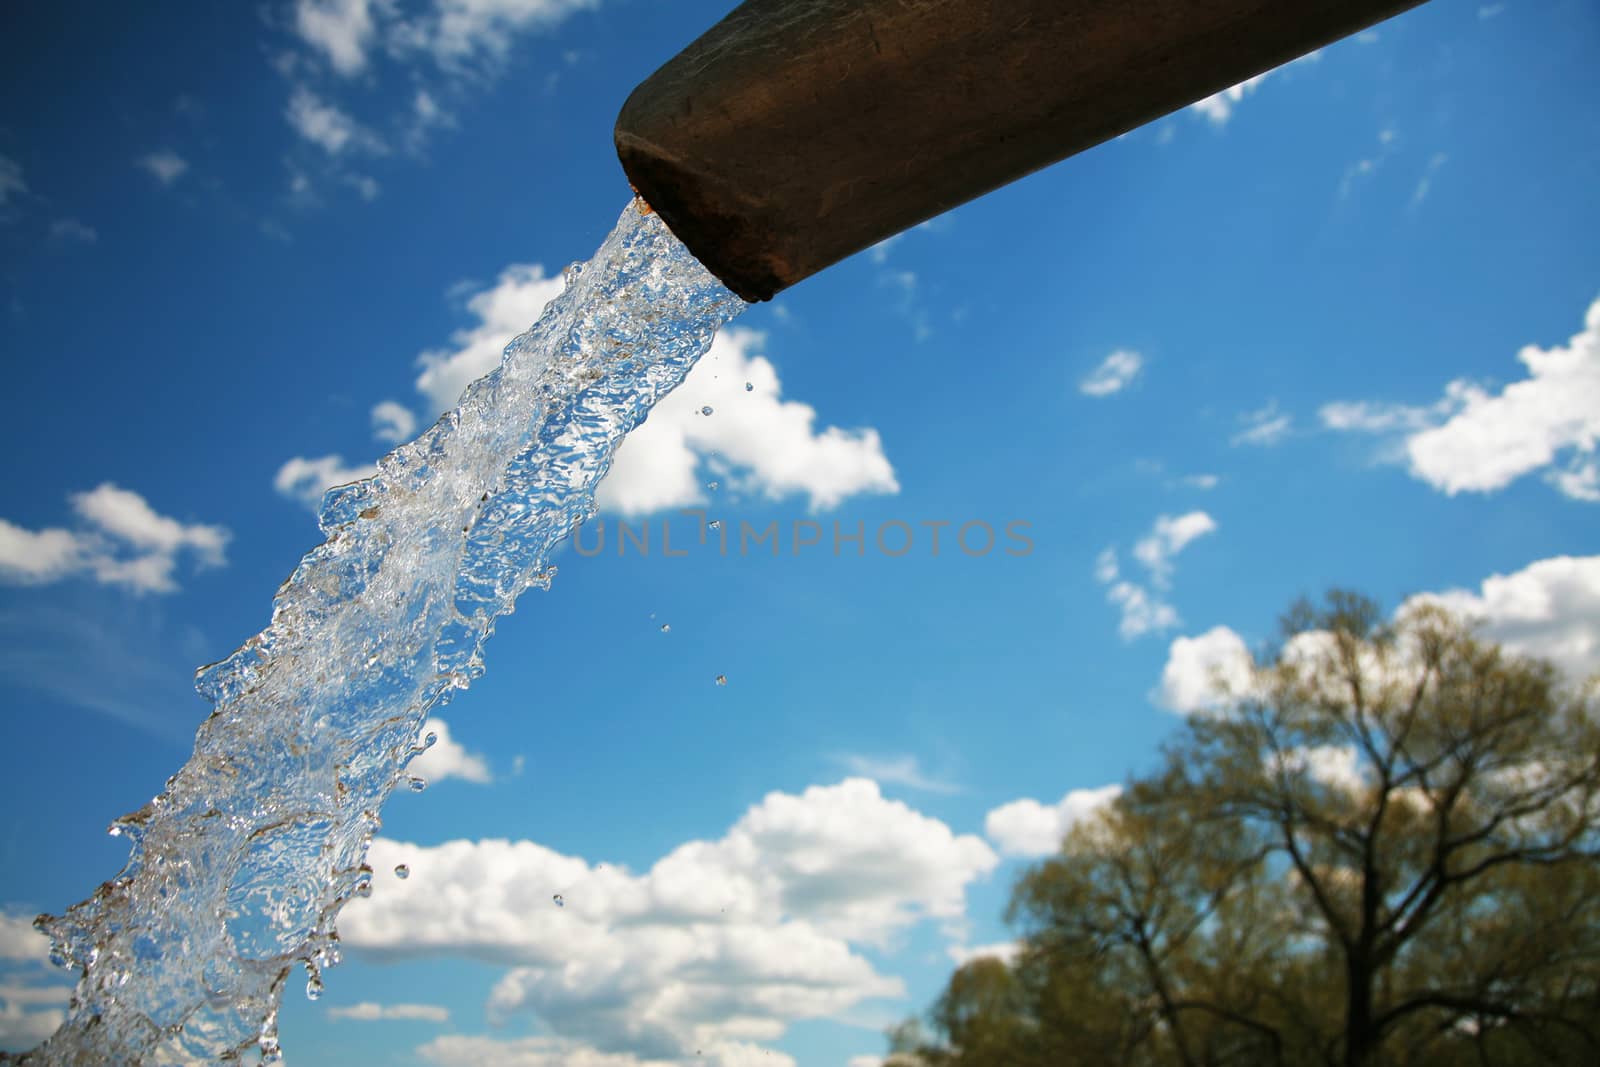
(1387, 851)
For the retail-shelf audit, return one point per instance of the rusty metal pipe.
(794, 133)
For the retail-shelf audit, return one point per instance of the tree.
(1385, 850)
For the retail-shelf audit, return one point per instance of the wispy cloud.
(896, 770)
(1143, 605)
(1114, 374)
(1264, 427)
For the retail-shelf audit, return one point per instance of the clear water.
(237, 871)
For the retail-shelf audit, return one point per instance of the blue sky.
(1340, 325)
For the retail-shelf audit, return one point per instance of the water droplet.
(561, 901)
(711, 486)
(313, 988)
(402, 871)
(706, 410)
(364, 887)
(749, 387)
(430, 739)
(715, 524)
(722, 679)
(572, 272)
(666, 628)
(417, 784)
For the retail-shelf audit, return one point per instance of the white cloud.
(306, 479)
(73, 230)
(129, 517)
(1143, 611)
(1264, 427)
(1338, 767)
(370, 1012)
(1114, 374)
(325, 125)
(1169, 536)
(1425, 183)
(447, 758)
(503, 311)
(463, 1050)
(462, 32)
(1030, 829)
(1472, 440)
(34, 557)
(166, 166)
(1205, 672)
(721, 943)
(1004, 951)
(896, 770)
(1493, 439)
(393, 422)
(1200, 481)
(1143, 607)
(20, 941)
(765, 445)
(1550, 608)
(123, 542)
(11, 182)
(341, 30)
(19, 1026)
(1219, 107)
(1489, 11)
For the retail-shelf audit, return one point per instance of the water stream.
(238, 869)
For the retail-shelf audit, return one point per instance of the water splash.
(238, 869)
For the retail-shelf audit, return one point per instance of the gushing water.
(238, 869)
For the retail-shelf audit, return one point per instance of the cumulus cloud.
(1004, 951)
(1475, 440)
(166, 166)
(462, 1050)
(1264, 427)
(720, 944)
(1205, 672)
(1143, 606)
(19, 941)
(896, 770)
(120, 541)
(369, 1012)
(447, 758)
(1495, 438)
(1338, 767)
(393, 422)
(341, 30)
(503, 311)
(1029, 829)
(1115, 373)
(1550, 608)
(765, 445)
(325, 125)
(306, 479)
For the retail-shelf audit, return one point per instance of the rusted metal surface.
(797, 132)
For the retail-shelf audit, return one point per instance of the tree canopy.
(1384, 850)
